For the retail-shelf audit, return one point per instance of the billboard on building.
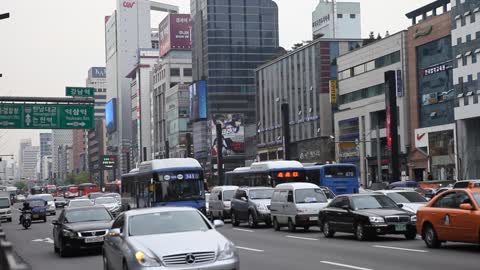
(110, 115)
(233, 133)
(175, 32)
(98, 72)
(198, 100)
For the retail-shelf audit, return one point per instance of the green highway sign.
(79, 91)
(46, 116)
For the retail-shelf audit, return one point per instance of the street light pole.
(379, 158)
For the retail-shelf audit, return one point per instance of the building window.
(339, 16)
(352, 16)
(474, 58)
(469, 38)
(464, 60)
(187, 72)
(174, 72)
(477, 35)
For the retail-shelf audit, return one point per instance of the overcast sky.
(46, 45)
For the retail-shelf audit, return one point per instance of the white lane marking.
(46, 240)
(302, 238)
(399, 248)
(242, 230)
(250, 249)
(345, 265)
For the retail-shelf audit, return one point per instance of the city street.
(263, 248)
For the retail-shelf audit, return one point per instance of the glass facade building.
(231, 38)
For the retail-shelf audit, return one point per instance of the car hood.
(89, 226)
(383, 212)
(264, 202)
(110, 205)
(311, 208)
(413, 207)
(178, 243)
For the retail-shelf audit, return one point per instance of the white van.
(296, 205)
(219, 202)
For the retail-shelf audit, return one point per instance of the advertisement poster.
(233, 133)
(175, 32)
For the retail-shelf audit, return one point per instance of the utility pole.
(286, 132)
(219, 153)
(379, 158)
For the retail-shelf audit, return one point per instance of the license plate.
(34, 216)
(400, 227)
(94, 239)
(313, 218)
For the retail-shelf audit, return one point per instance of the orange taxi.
(451, 216)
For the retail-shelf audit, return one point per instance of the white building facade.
(31, 154)
(362, 105)
(62, 139)
(332, 19)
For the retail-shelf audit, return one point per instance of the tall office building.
(79, 150)
(23, 144)
(97, 80)
(45, 150)
(30, 159)
(332, 19)
(230, 40)
(126, 30)
(61, 140)
(466, 80)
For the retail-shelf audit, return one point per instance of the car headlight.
(145, 260)
(227, 252)
(413, 219)
(68, 233)
(9, 211)
(377, 220)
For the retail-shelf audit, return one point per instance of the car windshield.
(85, 215)
(406, 197)
(476, 195)
(228, 195)
(260, 194)
(95, 195)
(105, 200)
(166, 222)
(79, 203)
(46, 197)
(311, 195)
(4, 203)
(372, 202)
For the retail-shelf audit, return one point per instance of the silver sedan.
(167, 238)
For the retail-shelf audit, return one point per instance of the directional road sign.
(79, 91)
(46, 116)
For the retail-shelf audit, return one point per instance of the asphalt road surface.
(263, 248)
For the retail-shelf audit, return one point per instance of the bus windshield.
(179, 190)
(339, 171)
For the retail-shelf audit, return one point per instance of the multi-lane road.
(263, 248)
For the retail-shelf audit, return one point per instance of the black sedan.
(366, 216)
(60, 202)
(81, 228)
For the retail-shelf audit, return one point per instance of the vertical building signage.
(399, 84)
(333, 91)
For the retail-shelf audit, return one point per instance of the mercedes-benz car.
(191, 241)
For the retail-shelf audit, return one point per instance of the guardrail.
(8, 260)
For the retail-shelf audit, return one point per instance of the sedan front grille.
(397, 219)
(189, 258)
(93, 233)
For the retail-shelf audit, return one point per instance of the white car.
(410, 199)
(112, 205)
(79, 203)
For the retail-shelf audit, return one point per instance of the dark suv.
(252, 204)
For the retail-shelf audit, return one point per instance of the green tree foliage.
(21, 185)
(80, 178)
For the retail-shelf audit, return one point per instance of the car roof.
(136, 212)
(386, 191)
(84, 208)
(254, 188)
(225, 188)
(77, 200)
(362, 194)
(296, 185)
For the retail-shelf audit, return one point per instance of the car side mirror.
(466, 206)
(243, 198)
(218, 223)
(55, 222)
(400, 205)
(115, 233)
(346, 207)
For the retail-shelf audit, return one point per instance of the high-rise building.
(61, 140)
(126, 30)
(466, 80)
(430, 69)
(79, 150)
(30, 158)
(23, 144)
(332, 19)
(45, 150)
(97, 80)
(174, 68)
(141, 104)
(230, 40)
(96, 149)
(46, 164)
